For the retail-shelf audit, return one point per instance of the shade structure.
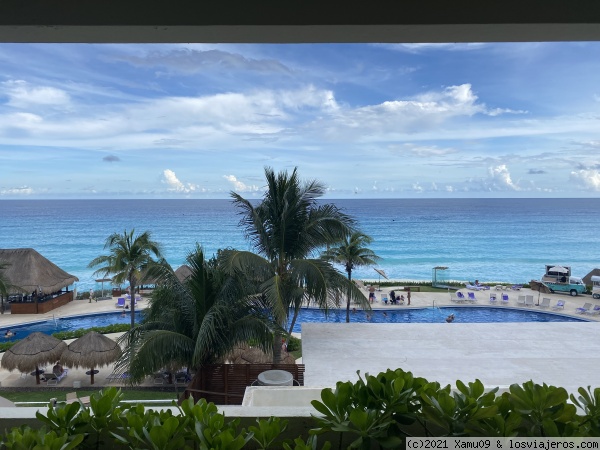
(34, 351)
(103, 280)
(244, 354)
(90, 351)
(558, 269)
(540, 287)
(183, 273)
(382, 273)
(30, 271)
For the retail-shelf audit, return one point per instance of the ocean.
(492, 240)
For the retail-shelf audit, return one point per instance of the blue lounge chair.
(505, 299)
(460, 296)
(594, 311)
(120, 302)
(493, 297)
(559, 305)
(584, 309)
(472, 298)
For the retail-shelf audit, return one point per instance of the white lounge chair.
(545, 303)
(529, 300)
(560, 304)
(584, 309)
(593, 312)
(521, 300)
(52, 379)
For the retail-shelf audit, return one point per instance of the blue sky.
(368, 120)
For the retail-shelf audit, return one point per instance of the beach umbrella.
(540, 288)
(34, 351)
(90, 351)
(381, 274)
(558, 269)
(102, 280)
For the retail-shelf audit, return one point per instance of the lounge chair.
(498, 287)
(516, 287)
(505, 299)
(120, 302)
(545, 303)
(471, 298)
(72, 398)
(593, 312)
(493, 298)
(529, 300)
(560, 304)
(455, 298)
(521, 300)
(584, 309)
(52, 379)
(460, 296)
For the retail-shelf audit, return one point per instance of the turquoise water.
(425, 315)
(507, 240)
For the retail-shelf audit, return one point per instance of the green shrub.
(74, 334)
(293, 344)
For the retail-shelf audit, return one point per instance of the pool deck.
(380, 341)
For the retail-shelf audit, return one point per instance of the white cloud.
(589, 179)
(23, 190)
(174, 185)
(500, 179)
(423, 151)
(239, 186)
(498, 111)
(22, 94)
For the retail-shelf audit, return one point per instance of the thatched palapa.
(91, 350)
(30, 353)
(29, 270)
(588, 278)
(183, 273)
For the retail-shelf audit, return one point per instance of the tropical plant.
(5, 286)
(287, 228)
(193, 323)
(352, 253)
(129, 255)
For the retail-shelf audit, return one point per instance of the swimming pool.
(69, 323)
(463, 314)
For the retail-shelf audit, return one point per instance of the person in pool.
(9, 334)
(450, 318)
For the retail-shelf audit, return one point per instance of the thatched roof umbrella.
(91, 350)
(183, 272)
(244, 354)
(30, 271)
(33, 351)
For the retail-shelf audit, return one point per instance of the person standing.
(408, 296)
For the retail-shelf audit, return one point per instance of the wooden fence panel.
(225, 384)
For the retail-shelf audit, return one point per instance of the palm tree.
(194, 322)
(350, 254)
(4, 286)
(129, 255)
(286, 228)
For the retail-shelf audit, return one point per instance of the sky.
(478, 120)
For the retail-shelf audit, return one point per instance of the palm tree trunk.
(277, 336)
(132, 301)
(348, 298)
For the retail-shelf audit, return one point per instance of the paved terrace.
(498, 354)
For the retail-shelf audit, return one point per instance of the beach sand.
(418, 300)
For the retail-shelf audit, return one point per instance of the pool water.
(69, 324)
(463, 314)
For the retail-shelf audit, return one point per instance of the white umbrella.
(381, 274)
(558, 269)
